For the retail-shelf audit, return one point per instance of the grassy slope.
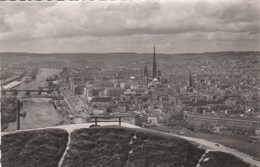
(42, 148)
(110, 147)
(220, 159)
(238, 142)
(106, 146)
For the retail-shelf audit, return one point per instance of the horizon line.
(127, 52)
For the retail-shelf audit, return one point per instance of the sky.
(174, 26)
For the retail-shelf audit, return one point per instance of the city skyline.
(182, 26)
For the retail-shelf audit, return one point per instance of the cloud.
(195, 20)
(230, 10)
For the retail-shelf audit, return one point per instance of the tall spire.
(190, 80)
(154, 64)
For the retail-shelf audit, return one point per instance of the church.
(155, 78)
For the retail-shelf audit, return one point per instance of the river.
(40, 112)
(40, 80)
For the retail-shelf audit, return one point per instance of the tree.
(108, 110)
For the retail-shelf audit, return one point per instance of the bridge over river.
(33, 94)
(39, 108)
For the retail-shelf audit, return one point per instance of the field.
(42, 148)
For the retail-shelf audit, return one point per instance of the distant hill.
(171, 63)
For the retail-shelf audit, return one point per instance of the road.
(76, 104)
(218, 147)
(12, 84)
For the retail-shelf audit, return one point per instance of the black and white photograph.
(130, 83)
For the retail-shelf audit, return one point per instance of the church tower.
(145, 71)
(154, 64)
(190, 80)
(145, 77)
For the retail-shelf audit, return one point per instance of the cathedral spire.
(190, 80)
(154, 64)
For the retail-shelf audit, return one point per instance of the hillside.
(113, 147)
(133, 60)
(41, 148)
(108, 146)
(220, 159)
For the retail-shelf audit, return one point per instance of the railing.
(107, 118)
(27, 90)
(44, 96)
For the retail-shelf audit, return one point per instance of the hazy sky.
(130, 26)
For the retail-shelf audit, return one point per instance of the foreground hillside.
(220, 159)
(109, 147)
(119, 147)
(39, 148)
